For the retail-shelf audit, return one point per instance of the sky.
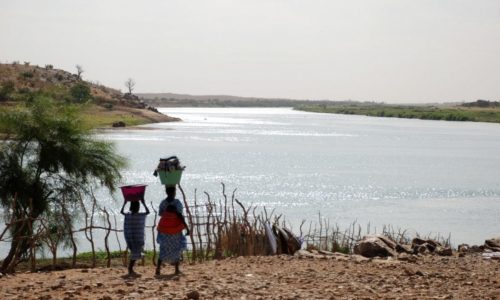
(394, 51)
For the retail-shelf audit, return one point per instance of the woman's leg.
(158, 267)
(177, 271)
(131, 266)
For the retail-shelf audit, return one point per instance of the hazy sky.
(380, 50)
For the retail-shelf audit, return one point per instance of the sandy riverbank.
(279, 277)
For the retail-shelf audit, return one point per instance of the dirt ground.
(278, 277)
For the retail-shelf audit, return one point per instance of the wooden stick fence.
(219, 228)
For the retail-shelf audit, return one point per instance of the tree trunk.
(22, 234)
(19, 245)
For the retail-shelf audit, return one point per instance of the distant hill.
(107, 105)
(185, 100)
(159, 96)
(482, 103)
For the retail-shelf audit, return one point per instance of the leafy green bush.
(80, 93)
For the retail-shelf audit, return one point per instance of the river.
(430, 177)
(427, 177)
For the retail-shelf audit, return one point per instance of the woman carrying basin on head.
(133, 229)
(170, 238)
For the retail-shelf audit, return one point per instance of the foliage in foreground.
(48, 160)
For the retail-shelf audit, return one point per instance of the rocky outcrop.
(430, 246)
(493, 244)
(382, 246)
(130, 96)
(375, 245)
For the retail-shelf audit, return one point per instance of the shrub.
(24, 90)
(27, 75)
(49, 67)
(80, 93)
(6, 90)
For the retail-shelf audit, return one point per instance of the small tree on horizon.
(130, 84)
(79, 71)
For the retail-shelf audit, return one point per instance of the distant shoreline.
(468, 112)
(478, 111)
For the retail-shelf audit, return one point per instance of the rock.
(491, 255)
(341, 256)
(375, 245)
(306, 254)
(431, 245)
(444, 251)
(462, 248)
(324, 252)
(152, 108)
(120, 292)
(476, 248)
(193, 295)
(420, 249)
(493, 244)
(412, 272)
(404, 249)
(119, 124)
(408, 271)
(71, 292)
(359, 258)
(58, 285)
(407, 257)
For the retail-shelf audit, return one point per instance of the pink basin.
(133, 192)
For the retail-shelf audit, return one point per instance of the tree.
(130, 84)
(79, 71)
(48, 158)
(80, 92)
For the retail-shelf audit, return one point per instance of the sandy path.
(279, 277)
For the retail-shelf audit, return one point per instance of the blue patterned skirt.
(133, 229)
(171, 246)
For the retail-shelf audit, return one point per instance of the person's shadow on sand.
(174, 277)
(132, 276)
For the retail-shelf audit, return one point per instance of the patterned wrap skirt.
(133, 229)
(171, 246)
